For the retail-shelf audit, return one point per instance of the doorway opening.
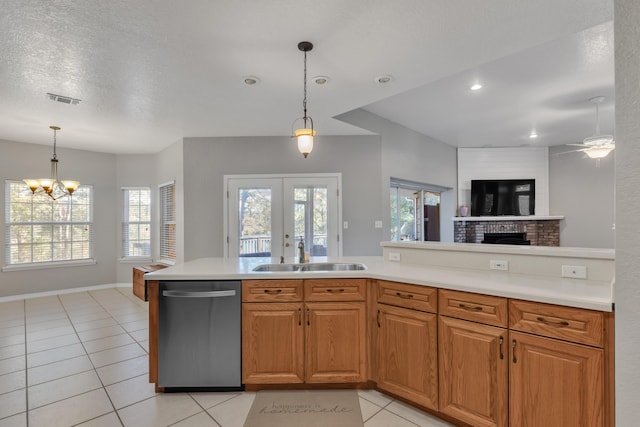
(415, 211)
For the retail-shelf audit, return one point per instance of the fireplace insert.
(506, 238)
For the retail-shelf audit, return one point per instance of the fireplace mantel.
(509, 218)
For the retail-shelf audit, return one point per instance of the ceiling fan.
(596, 146)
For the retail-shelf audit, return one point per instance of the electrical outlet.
(345, 225)
(377, 224)
(574, 271)
(394, 256)
(499, 264)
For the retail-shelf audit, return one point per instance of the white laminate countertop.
(590, 294)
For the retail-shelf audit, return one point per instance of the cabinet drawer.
(271, 290)
(417, 297)
(566, 323)
(475, 307)
(335, 289)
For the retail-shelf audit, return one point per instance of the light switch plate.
(378, 224)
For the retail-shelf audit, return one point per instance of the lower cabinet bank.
(469, 358)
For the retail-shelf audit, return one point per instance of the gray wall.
(626, 290)
(414, 157)
(18, 161)
(207, 160)
(584, 193)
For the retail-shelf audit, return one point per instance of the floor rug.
(305, 408)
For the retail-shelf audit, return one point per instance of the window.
(41, 231)
(168, 223)
(136, 223)
(415, 211)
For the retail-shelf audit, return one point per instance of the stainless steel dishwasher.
(199, 335)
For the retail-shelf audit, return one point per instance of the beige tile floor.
(81, 359)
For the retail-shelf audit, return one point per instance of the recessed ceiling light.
(250, 80)
(383, 79)
(533, 134)
(476, 86)
(321, 80)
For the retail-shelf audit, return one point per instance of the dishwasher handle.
(199, 294)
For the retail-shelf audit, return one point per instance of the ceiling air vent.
(63, 99)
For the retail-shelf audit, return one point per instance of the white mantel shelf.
(509, 218)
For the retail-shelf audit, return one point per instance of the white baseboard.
(64, 291)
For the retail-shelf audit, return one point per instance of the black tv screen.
(494, 197)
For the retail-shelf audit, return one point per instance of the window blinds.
(167, 222)
(136, 222)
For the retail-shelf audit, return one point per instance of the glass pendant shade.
(305, 140)
(51, 186)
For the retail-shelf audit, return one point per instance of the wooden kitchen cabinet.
(555, 383)
(407, 342)
(335, 342)
(474, 369)
(139, 284)
(407, 357)
(561, 365)
(287, 340)
(272, 343)
(473, 351)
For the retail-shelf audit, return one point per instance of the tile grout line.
(92, 364)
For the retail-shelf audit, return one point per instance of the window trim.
(124, 222)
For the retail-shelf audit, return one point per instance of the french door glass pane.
(254, 222)
(311, 219)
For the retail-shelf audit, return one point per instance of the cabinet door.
(555, 383)
(272, 343)
(335, 342)
(473, 372)
(407, 354)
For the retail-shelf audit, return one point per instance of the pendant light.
(51, 186)
(305, 134)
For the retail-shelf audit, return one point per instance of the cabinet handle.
(334, 290)
(561, 324)
(501, 354)
(405, 296)
(299, 317)
(469, 308)
(378, 319)
(513, 351)
(272, 291)
(308, 320)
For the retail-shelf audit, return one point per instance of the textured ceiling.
(150, 72)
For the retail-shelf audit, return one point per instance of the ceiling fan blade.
(577, 145)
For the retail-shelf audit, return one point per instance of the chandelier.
(51, 186)
(305, 134)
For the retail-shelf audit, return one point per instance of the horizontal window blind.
(167, 222)
(42, 230)
(136, 222)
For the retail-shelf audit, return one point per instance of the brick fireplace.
(540, 231)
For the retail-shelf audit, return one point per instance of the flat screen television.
(495, 197)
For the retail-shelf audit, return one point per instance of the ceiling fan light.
(598, 152)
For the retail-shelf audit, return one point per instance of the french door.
(269, 215)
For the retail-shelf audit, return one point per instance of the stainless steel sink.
(320, 266)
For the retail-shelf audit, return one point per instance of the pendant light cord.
(54, 144)
(304, 101)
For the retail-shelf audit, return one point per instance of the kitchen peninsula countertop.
(581, 293)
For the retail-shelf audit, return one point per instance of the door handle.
(197, 294)
(286, 236)
(286, 245)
